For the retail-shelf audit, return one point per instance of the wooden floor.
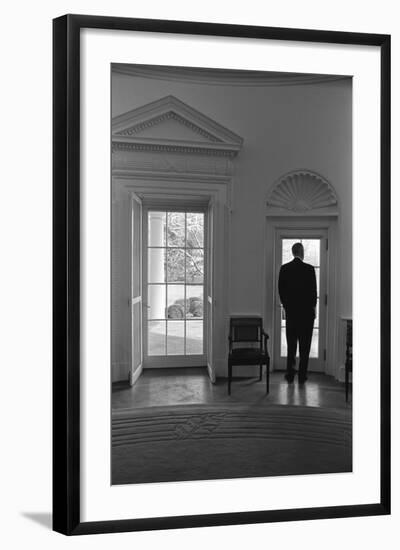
(183, 386)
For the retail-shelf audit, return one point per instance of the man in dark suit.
(298, 293)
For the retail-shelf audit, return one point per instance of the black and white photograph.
(231, 274)
(200, 259)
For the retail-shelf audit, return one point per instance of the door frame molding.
(197, 188)
(273, 224)
(306, 233)
(133, 375)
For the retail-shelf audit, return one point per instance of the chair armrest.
(266, 338)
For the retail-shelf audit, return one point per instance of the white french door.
(136, 285)
(174, 312)
(210, 290)
(315, 253)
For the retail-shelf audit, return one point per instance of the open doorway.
(174, 282)
(315, 253)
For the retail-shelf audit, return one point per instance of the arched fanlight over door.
(302, 192)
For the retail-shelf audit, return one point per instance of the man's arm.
(313, 287)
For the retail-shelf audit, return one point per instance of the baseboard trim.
(120, 372)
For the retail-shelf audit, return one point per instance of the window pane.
(156, 265)
(311, 251)
(175, 337)
(194, 301)
(156, 301)
(156, 232)
(287, 255)
(176, 301)
(284, 344)
(136, 249)
(314, 344)
(194, 337)
(195, 230)
(283, 317)
(317, 275)
(194, 266)
(136, 333)
(175, 258)
(176, 265)
(156, 338)
(176, 229)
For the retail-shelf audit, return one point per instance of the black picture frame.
(66, 273)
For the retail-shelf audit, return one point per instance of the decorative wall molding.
(130, 131)
(170, 115)
(222, 77)
(188, 189)
(167, 162)
(170, 177)
(167, 159)
(173, 147)
(300, 192)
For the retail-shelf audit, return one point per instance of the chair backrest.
(245, 329)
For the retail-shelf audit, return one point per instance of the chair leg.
(267, 375)
(261, 366)
(347, 383)
(229, 378)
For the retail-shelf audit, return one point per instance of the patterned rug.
(198, 442)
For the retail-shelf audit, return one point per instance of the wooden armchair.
(247, 330)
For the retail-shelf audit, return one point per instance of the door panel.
(210, 289)
(314, 242)
(136, 304)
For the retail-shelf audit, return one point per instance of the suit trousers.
(299, 328)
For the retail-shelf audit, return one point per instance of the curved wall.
(285, 128)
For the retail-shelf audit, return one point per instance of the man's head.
(298, 251)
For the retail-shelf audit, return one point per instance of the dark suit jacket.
(298, 288)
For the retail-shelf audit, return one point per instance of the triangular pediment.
(168, 126)
(169, 123)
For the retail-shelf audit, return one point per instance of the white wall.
(26, 277)
(285, 127)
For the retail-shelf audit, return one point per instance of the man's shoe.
(302, 380)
